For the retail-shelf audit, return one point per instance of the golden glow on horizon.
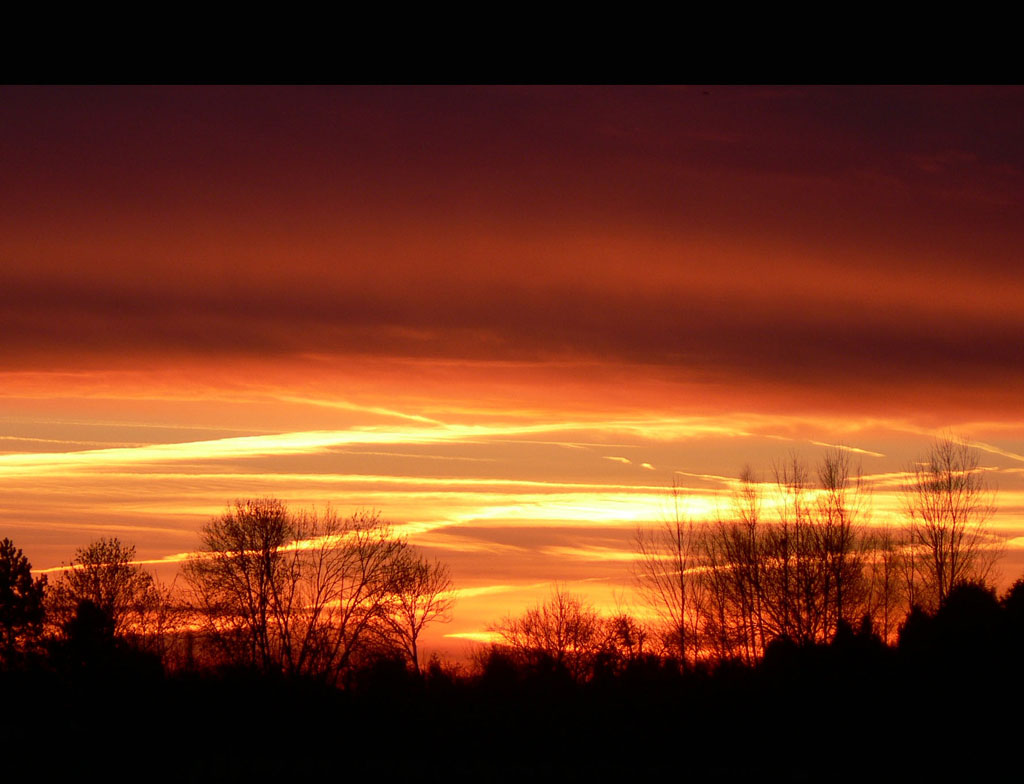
(529, 493)
(484, 638)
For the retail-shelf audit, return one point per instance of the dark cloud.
(742, 340)
(824, 237)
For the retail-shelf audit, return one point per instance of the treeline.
(788, 639)
(939, 703)
(315, 594)
(798, 558)
(311, 595)
(791, 561)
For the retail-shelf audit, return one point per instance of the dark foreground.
(943, 705)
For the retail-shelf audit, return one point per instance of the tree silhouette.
(626, 638)
(839, 541)
(89, 638)
(105, 574)
(668, 579)
(564, 629)
(800, 575)
(21, 603)
(422, 594)
(949, 503)
(1013, 609)
(308, 594)
(884, 561)
(736, 576)
(1013, 601)
(237, 577)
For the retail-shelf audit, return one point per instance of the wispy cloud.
(591, 553)
(70, 442)
(848, 448)
(304, 442)
(491, 590)
(997, 450)
(726, 480)
(348, 406)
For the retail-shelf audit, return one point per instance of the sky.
(508, 318)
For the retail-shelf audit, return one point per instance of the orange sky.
(502, 316)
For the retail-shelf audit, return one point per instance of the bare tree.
(343, 573)
(105, 573)
(812, 557)
(799, 575)
(842, 539)
(305, 594)
(565, 629)
(667, 576)
(792, 591)
(736, 576)
(626, 639)
(237, 576)
(949, 504)
(883, 567)
(422, 594)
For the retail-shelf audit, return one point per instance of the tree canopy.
(105, 574)
(310, 593)
(21, 603)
